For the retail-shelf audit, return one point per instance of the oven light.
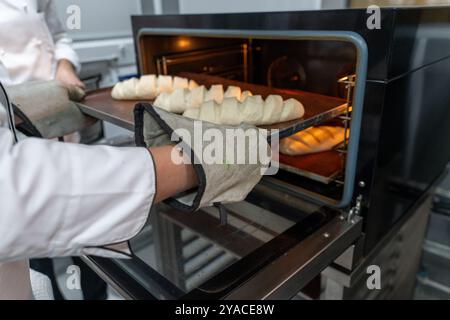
(183, 43)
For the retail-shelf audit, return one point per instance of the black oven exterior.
(403, 145)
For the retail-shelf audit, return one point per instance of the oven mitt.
(218, 183)
(47, 108)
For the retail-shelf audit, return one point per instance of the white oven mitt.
(47, 108)
(225, 181)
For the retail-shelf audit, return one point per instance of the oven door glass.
(212, 256)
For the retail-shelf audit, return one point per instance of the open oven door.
(271, 246)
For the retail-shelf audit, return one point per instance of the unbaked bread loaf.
(215, 93)
(253, 110)
(148, 87)
(230, 107)
(181, 100)
(312, 140)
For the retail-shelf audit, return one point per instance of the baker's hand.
(228, 161)
(49, 107)
(66, 75)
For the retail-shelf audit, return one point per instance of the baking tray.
(101, 105)
(323, 167)
(318, 108)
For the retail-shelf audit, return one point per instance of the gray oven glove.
(48, 109)
(221, 182)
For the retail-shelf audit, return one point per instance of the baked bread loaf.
(148, 87)
(312, 140)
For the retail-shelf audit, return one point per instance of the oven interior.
(319, 73)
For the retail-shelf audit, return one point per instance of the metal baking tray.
(318, 108)
(323, 167)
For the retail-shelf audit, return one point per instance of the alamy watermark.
(374, 19)
(73, 281)
(374, 279)
(230, 146)
(73, 21)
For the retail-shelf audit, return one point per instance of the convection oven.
(388, 88)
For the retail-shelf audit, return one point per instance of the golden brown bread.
(312, 140)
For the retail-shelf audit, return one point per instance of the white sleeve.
(63, 44)
(66, 200)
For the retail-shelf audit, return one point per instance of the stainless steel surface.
(99, 104)
(189, 249)
(287, 275)
(229, 62)
(349, 259)
(107, 278)
(207, 6)
(436, 263)
(397, 256)
(349, 82)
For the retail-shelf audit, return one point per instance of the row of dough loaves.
(148, 87)
(230, 107)
(253, 110)
(181, 100)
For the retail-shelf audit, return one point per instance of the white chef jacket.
(67, 200)
(32, 41)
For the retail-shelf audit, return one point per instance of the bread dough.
(165, 84)
(125, 89)
(177, 100)
(192, 113)
(273, 107)
(312, 140)
(173, 102)
(148, 87)
(196, 97)
(193, 84)
(292, 109)
(229, 110)
(254, 110)
(245, 95)
(209, 112)
(117, 91)
(162, 101)
(233, 92)
(215, 93)
(180, 83)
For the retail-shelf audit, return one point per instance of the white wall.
(223, 6)
(104, 43)
(101, 18)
